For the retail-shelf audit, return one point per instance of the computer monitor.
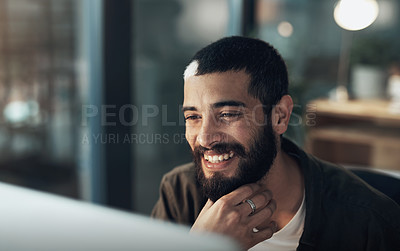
(32, 220)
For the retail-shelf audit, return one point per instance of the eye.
(230, 114)
(192, 117)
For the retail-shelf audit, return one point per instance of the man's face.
(231, 142)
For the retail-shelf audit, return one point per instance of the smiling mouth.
(218, 158)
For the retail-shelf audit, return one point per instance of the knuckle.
(261, 236)
(223, 200)
(264, 200)
(235, 214)
(234, 217)
(272, 205)
(268, 233)
(267, 195)
(269, 211)
(223, 204)
(250, 188)
(247, 189)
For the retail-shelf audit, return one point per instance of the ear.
(281, 114)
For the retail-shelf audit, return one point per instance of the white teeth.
(218, 158)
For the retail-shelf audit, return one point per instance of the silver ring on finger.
(252, 205)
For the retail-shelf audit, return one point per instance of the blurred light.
(17, 112)
(285, 29)
(355, 14)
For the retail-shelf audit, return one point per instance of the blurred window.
(38, 95)
(310, 41)
(166, 35)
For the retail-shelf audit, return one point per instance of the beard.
(253, 165)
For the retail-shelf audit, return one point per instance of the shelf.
(375, 111)
(355, 133)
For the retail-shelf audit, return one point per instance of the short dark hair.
(267, 70)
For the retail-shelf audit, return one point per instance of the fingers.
(263, 214)
(231, 216)
(265, 233)
(260, 200)
(237, 196)
(208, 204)
(206, 207)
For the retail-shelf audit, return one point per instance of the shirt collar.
(313, 182)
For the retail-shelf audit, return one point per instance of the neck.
(285, 181)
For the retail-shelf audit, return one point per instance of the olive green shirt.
(342, 211)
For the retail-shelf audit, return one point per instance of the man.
(249, 182)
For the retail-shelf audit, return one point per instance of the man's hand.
(231, 216)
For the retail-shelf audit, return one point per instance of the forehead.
(216, 87)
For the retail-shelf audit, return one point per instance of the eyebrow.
(217, 105)
(229, 103)
(189, 108)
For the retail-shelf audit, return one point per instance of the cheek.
(256, 117)
(244, 135)
(190, 137)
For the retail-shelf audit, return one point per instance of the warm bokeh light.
(355, 14)
(285, 29)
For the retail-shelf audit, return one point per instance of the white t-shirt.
(288, 237)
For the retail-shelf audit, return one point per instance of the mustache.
(221, 148)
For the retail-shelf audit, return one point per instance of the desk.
(358, 132)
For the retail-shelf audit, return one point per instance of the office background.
(90, 90)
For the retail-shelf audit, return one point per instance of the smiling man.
(247, 181)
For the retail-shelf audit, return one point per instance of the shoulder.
(342, 185)
(181, 198)
(183, 174)
(344, 190)
(329, 183)
(341, 206)
(181, 182)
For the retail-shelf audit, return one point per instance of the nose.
(209, 133)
